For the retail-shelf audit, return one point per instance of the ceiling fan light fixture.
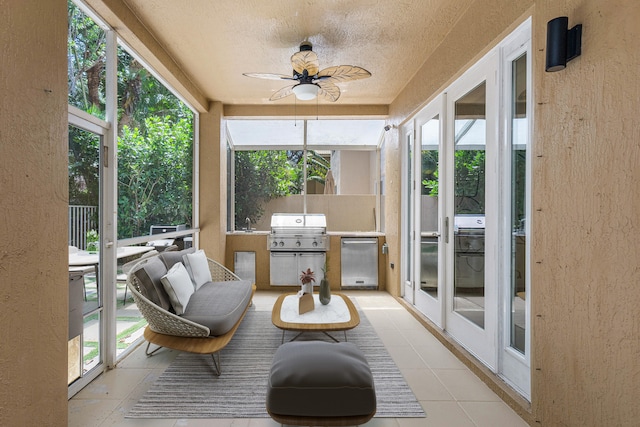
(309, 81)
(306, 91)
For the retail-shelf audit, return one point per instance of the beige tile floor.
(450, 394)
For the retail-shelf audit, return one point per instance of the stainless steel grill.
(297, 242)
(469, 250)
(298, 232)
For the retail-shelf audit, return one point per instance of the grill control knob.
(274, 244)
(298, 243)
(281, 243)
(314, 244)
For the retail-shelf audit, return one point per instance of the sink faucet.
(248, 220)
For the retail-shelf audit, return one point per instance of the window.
(155, 136)
(86, 62)
(342, 171)
(155, 152)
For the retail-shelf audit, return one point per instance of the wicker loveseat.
(207, 322)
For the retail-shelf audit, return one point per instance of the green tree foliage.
(86, 61)
(154, 175)
(317, 167)
(155, 136)
(430, 173)
(84, 185)
(259, 177)
(469, 179)
(267, 174)
(141, 95)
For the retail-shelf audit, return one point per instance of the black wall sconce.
(562, 44)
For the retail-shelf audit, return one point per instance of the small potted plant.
(307, 278)
(92, 241)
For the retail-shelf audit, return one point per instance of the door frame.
(494, 340)
(407, 260)
(515, 367)
(88, 123)
(431, 307)
(481, 342)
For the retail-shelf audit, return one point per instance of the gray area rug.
(189, 389)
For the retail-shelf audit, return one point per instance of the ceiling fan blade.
(269, 76)
(343, 73)
(305, 60)
(282, 93)
(328, 91)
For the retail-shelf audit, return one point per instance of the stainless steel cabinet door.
(359, 262)
(283, 268)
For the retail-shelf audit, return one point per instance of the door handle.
(446, 229)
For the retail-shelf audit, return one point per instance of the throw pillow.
(178, 285)
(198, 268)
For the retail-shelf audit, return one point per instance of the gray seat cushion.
(320, 379)
(219, 305)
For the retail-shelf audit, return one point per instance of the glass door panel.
(472, 194)
(409, 241)
(429, 213)
(514, 253)
(428, 195)
(469, 205)
(85, 328)
(519, 130)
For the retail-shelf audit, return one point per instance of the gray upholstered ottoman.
(317, 383)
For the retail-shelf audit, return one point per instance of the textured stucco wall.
(213, 184)
(355, 175)
(33, 213)
(585, 251)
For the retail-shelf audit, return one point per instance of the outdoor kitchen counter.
(256, 241)
(355, 233)
(247, 233)
(329, 233)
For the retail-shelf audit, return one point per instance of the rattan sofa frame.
(165, 329)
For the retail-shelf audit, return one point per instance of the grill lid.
(469, 221)
(307, 224)
(298, 232)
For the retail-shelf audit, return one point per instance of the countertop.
(329, 233)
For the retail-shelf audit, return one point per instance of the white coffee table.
(339, 315)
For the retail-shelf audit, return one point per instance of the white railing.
(81, 220)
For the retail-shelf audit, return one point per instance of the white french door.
(467, 196)
(408, 201)
(471, 194)
(426, 223)
(514, 354)
(86, 342)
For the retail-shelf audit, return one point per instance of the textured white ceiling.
(215, 41)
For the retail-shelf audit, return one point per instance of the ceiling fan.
(309, 81)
